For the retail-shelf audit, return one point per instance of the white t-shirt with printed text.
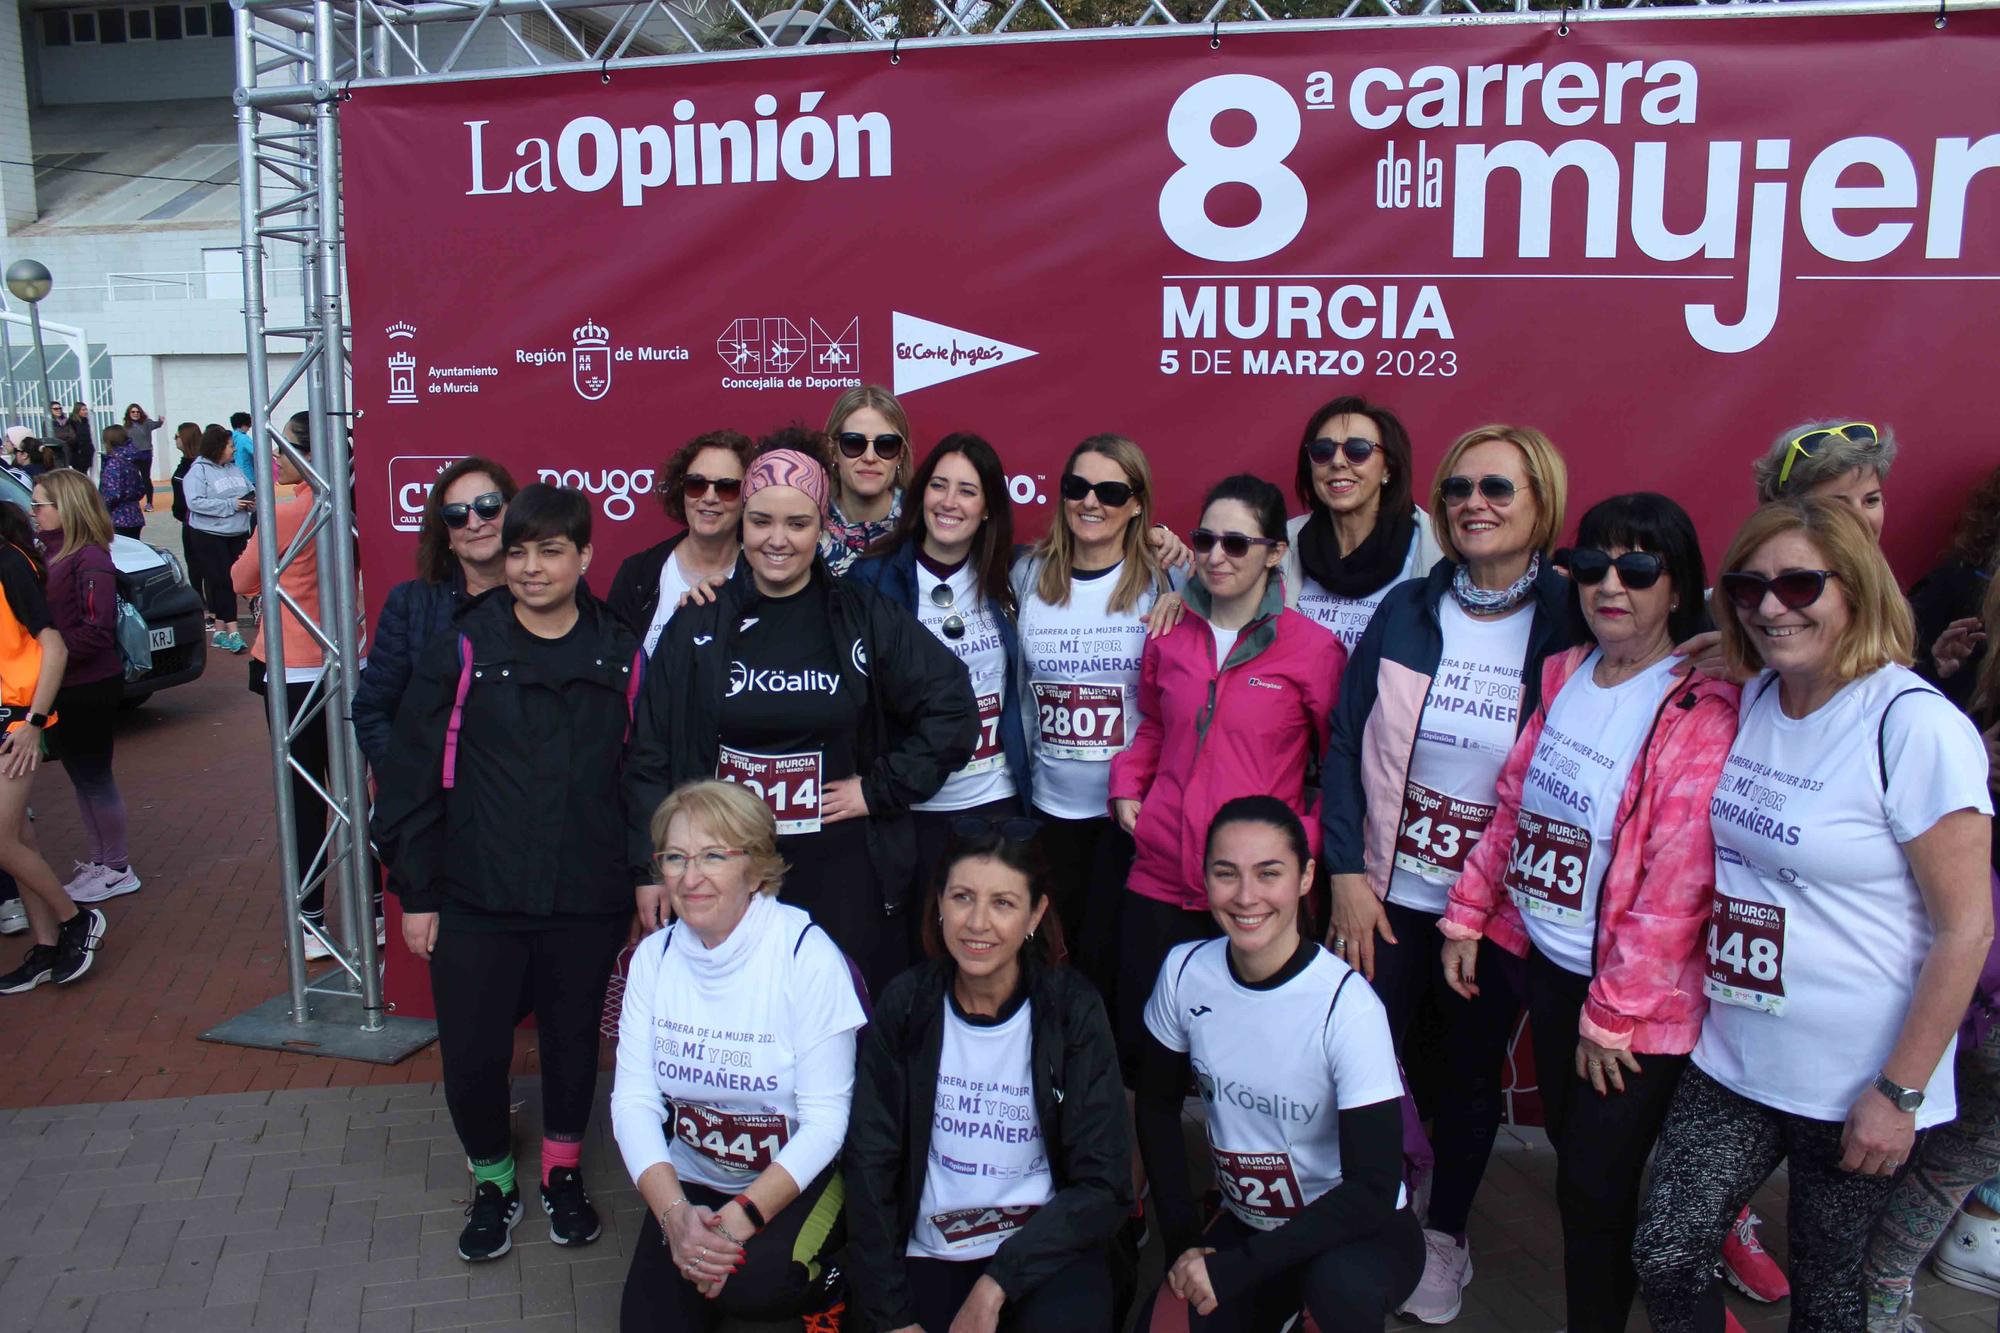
(984, 777)
(673, 587)
(1347, 617)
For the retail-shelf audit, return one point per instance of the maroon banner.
(1661, 241)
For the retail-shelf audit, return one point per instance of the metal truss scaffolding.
(296, 61)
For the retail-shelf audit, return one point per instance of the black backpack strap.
(1328, 1022)
(1882, 730)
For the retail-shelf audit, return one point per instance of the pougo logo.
(590, 360)
(411, 477)
(616, 485)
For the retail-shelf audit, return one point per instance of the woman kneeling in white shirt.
(735, 1073)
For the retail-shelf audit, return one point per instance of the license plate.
(162, 638)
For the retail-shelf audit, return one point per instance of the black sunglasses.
(1358, 450)
(1110, 494)
(1457, 490)
(487, 506)
(1636, 569)
(694, 486)
(1795, 589)
(944, 598)
(1016, 828)
(1234, 544)
(853, 444)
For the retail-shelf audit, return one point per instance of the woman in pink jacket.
(1233, 701)
(1599, 867)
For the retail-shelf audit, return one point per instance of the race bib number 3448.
(1746, 954)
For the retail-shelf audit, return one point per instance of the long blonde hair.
(1057, 548)
(85, 520)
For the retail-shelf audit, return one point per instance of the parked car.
(153, 580)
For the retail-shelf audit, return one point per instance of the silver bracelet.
(666, 1213)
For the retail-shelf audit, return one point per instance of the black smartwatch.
(38, 720)
(1904, 1099)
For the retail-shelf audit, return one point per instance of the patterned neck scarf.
(1485, 601)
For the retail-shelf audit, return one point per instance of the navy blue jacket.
(416, 612)
(895, 577)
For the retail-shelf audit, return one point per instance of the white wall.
(17, 183)
(132, 71)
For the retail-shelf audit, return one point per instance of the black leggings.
(209, 560)
(1076, 1298)
(1716, 1149)
(1601, 1147)
(1348, 1289)
(1148, 930)
(832, 877)
(309, 749)
(781, 1277)
(1409, 974)
(1088, 862)
(480, 980)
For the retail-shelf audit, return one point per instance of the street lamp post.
(30, 280)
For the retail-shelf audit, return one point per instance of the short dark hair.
(1023, 856)
(800, 438)
(113, 437)
(993, 548)
(1648, 521)
(674, 474)
(239, 420)
(1263, 499)
(214, 442)
(1397, 495)
(1260, 809)
(298, 429)
(434, 558)
(539, 511)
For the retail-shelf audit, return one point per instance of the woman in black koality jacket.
(988, 1164)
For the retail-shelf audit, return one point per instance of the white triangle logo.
(928, 353)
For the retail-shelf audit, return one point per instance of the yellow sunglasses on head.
(1806, 445)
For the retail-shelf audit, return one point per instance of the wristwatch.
(1905, 1099)
(38, 720)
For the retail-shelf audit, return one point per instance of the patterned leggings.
(1716, 1149)
(1955, 1158)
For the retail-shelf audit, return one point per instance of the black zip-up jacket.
(1079, 1101)
(535, 824)
(635, 588)
(415, 612)
(919, 728)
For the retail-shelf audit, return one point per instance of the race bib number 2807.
(1077, 721)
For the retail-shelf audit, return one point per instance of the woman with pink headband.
(829, 701)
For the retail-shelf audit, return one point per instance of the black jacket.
(415, 612)
(919, 729)
(535, 824)
(1079, 1101)
(635, 588)
(1952, 591)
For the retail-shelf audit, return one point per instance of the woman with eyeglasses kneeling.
(701, 488)
(1233, 701)
(1291, 1053)
(1851, 918)
(1599, 868)
(1434, 695)
(946, 563)
(987, 1160)
(826, 700)
(735, 1073)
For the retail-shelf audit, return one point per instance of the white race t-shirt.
(1275, 1068)
(1081, 698)
(1818, 929)
(1347, 617)
(1468, 725)
(984, 777)
(716, 1048)
(989, 1169)
(1569, 805)
(673, 587)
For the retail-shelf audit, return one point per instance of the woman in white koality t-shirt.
(1851, 918)
(735, 1074)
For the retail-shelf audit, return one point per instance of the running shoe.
(36, 968)
(1440, 1294)
(315, 948)
(1748, 1267)
(109, 883)
(572, 1221)
(76, 945)
(490, 1220)
(1969, 1254)
(13, 917)
(87, 874)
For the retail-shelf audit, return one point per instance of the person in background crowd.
(23, 454)
(82, 445)
(61, 432)
(1852, 914)
(139, 430)
(506, 908)
(187, 442)
(75, 532)
(1433, 698)
(946, 564)
(1951, 640)
(32, 659)
(1314, 1209)
(1362, 532)
(1964, 1154)
(1599, 868)
(304, 665)
(459, 558)
(735, 1074)
(998, 1218)
(1232, 702)
(821, 696)
(123, 484)
(1084, 592)
(218, 528)
(870, 434)
(701, 488)
(243, 436)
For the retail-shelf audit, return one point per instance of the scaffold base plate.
(332, 1028)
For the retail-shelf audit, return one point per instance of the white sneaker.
(1969, 1254)
(13, 917)
(110, 883)
(315, 950)
(1440, 1293)
(87, 874)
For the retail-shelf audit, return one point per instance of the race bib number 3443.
(1076, 721)
(1436, 832)
(1746, 954)
(788, 783)
(1546, 867)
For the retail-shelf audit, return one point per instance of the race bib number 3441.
(1746, 954)
(733, 1141)
(1076, 721)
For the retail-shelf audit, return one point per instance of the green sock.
(499, 1171)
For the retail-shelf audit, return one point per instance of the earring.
(1031, 934)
